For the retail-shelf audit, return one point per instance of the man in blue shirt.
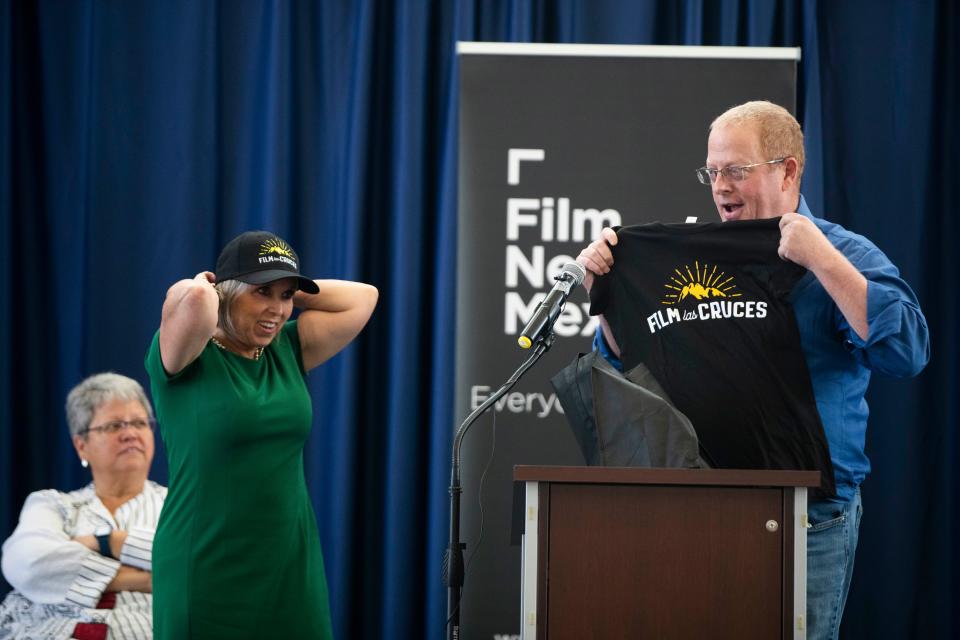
(854, 313)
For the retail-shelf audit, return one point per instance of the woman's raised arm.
(332, 318)
(188, 321)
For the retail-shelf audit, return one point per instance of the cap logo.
(276, 250)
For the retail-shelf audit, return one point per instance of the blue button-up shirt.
(840, 362)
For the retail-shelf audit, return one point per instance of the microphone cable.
(483, 476)
(476, 545)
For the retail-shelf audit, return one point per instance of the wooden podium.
(664, 553)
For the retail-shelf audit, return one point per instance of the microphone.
(546, 314)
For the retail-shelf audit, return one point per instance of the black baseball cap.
(258, 257)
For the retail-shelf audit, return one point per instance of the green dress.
(236, 552)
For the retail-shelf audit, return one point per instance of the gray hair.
(227, 291)
(88, 396)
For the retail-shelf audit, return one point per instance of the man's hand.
(803, 243)
(596, 257)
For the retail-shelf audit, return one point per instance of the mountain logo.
(276, 246)
(699, 284)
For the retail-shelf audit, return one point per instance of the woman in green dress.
(236, 553)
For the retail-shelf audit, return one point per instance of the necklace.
(256, 354)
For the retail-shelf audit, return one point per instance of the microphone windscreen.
(576, 271)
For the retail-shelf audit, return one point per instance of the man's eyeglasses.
(706, 175)
(115, 426)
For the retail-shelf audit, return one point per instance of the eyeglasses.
(707, 175)
(114, 426)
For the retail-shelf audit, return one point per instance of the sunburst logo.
(699, 284)
(277, 247)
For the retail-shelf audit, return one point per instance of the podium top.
(642, 475)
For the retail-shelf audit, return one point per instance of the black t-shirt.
(705, 307)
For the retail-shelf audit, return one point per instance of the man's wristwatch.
(104, 541)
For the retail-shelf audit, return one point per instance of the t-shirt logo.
(708, 284)
(689, 287)
(276, 250)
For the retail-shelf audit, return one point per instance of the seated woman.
(80, 562)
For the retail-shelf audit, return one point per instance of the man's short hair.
(780, 133)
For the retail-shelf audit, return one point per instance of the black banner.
(557, 141)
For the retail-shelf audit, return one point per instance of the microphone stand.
(453, 568)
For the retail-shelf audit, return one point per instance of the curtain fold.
(137, 138)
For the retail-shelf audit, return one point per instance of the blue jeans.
(831, 545)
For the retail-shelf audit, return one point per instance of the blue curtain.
(136, 138)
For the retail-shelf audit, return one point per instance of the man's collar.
(803, 209)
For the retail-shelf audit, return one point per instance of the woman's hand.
(130, 579)
(205, 277)
(117, 538)
(90, 542)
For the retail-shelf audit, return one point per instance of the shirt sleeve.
(898, 343)
(137, 549)
(600, 345)
(45, 565)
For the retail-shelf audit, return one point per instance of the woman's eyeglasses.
(115, 426)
